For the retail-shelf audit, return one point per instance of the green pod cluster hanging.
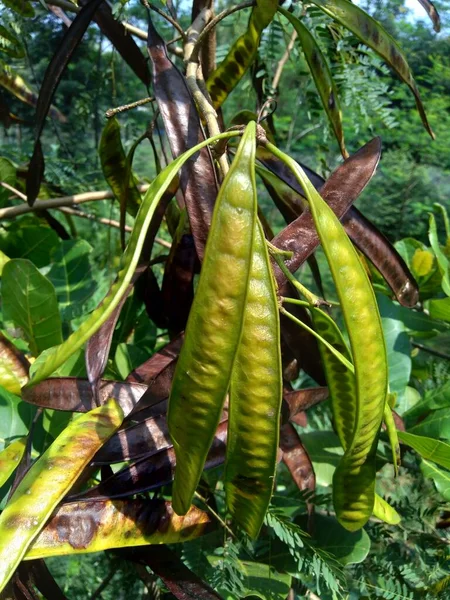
(354, 478)
(214, 329)
(241, 55)
(231, 344)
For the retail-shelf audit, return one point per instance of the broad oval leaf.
(429, 448)
(373, 34)
(72, 276)
(440, 477)
(94, 526)
(15, 417)
(48, 481)
(29, 300)
(9, 43)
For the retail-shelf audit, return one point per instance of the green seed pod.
(255, 399)
(214, 328)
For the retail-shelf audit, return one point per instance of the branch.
(14, 211)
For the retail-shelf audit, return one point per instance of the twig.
(70, 7)
(431, 350)
(164, 15)
(104, 583)
(283, 60)
(14, 211)
(111, 112)
(217, 19)
(83, 215)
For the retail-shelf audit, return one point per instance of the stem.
(168, 18)
(78, 213)
(111, 112)
(310, 297)
(431, 351)
(333, 350)
(14, 211)
(217, 19)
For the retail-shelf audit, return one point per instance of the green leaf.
(72, 276)
(21, 7)
(325, 452)
(15, 417)
(373, 34)
(439, 309)
(348, 547)
(29, 300)
(127, 358)
(57, 356)
(434, 399)
(25, 240)
(442, 260)
(263, 582)
(9, 44)
(398, 346)
(321, 74)
(436, 425)
(440, 477)
(429, 448)
(7, 175)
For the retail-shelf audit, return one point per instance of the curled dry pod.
(97, 525)
(255, 399)
(49, 480)
(214, 329)
(354, 478)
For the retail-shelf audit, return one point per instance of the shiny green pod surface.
(255, 399)
(354, 481)
(214, 328)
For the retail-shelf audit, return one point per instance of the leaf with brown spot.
(184, 130)
(51, 80)
(373, 34)
(48, 481)
(178, 579)
(14, 367)
(94, 526)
